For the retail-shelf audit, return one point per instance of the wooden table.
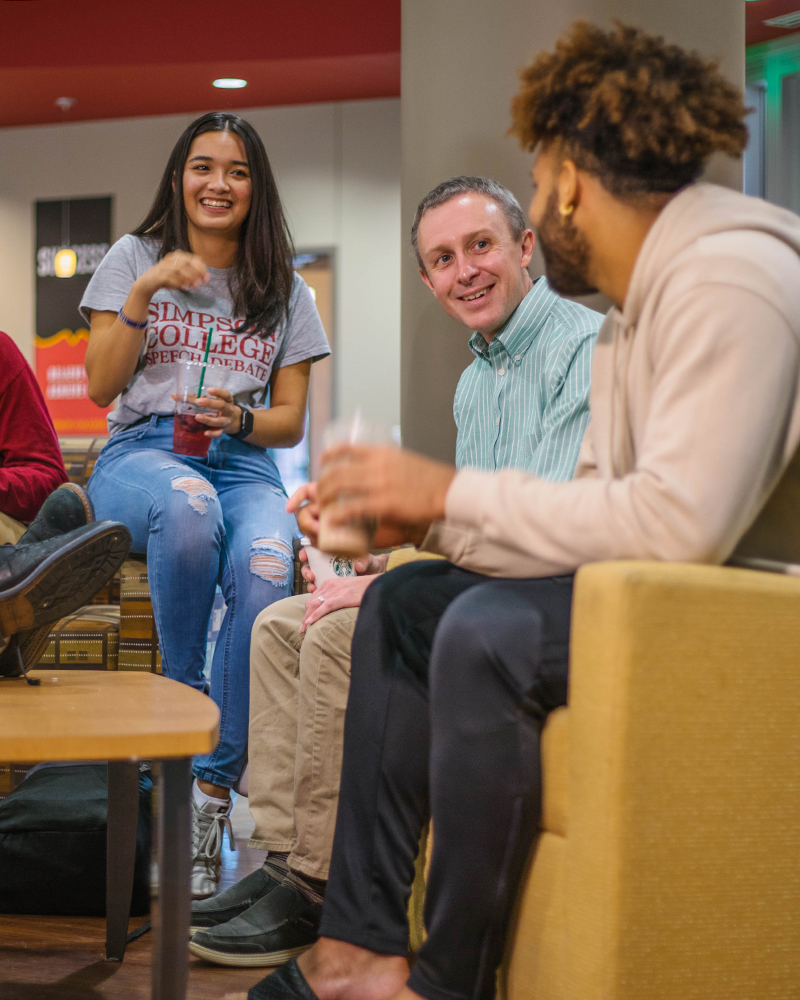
(123, 718)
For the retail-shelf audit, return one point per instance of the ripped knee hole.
(271, 560)
(198, 491)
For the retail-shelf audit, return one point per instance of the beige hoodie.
(695, 412)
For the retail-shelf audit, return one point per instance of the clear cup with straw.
(352, 538)
(188, 434)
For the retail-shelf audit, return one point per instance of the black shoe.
(286, 983)
(66, 508)
(43, 581)
(276, 928)
(220, 909)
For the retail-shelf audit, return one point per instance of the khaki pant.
(10, 530)
(298, 695)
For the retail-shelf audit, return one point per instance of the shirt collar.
(521, 327)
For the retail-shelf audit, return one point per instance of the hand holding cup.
(403, 491)
(349, 537)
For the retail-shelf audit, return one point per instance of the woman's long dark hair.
(262, 281)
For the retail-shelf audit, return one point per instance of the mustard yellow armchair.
(668, 867)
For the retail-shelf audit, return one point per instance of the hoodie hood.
(688, 224)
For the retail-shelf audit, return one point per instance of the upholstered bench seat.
(88, 639)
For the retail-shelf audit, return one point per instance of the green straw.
(205, 362)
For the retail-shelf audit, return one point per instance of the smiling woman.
(207, 273)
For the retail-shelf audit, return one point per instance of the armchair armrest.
(683, 843)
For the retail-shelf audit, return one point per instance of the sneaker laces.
(208, 835)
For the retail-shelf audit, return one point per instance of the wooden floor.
(61, 958)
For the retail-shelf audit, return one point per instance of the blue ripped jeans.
(202, 521)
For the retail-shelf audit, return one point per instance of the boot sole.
(262, 960)
(65, 581)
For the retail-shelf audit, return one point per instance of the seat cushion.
(79, 455)
(406, 554)
(536, 954)
(88, 639)
(555, 772)
(138, 639)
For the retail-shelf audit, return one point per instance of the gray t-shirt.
(177, 322)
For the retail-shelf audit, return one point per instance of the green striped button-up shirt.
(524, 401)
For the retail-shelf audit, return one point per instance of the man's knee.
(403, 586)
(280, 622)
(474, 622)
(328, 640)
(485, 638)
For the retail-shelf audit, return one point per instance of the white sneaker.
(209, 822)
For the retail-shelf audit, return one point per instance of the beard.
(565, 251)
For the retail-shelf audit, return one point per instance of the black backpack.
(53, 843)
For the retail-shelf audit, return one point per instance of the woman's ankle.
(214, 791)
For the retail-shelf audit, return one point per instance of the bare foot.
(406, 994)
(336, 970)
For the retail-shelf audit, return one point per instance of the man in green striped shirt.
(524, 400)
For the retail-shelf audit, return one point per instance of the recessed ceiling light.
(230, 83)
(65, 103)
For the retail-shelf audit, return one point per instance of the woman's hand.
(333, 595)
(227, 416)
(114, 347)
(178, 269)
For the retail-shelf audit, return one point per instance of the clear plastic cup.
(188, 434)
(351, 539)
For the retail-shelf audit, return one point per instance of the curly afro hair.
(642, 115)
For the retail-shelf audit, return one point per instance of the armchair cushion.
(682, 873)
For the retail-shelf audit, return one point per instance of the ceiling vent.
(785, 20)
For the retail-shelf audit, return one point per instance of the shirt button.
(501, 371)
(517, 357)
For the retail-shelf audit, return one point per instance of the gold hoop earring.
(565, 210)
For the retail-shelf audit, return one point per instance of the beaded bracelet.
(129, 322)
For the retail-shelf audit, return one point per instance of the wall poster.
(72, 237)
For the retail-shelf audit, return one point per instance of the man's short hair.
(465, 185)
(640, 114)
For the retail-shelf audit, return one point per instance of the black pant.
(453, 675)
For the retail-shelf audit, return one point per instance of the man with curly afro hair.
(694, 425)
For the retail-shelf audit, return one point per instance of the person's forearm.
(277, 427)
(111, 358)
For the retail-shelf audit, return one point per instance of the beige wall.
(460, 60)
(338, 169)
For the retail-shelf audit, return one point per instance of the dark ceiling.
(148, 57)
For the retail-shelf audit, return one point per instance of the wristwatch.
(247, 424)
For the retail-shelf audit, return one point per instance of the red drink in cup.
(189, 434)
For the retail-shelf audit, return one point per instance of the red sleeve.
(31, 466)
